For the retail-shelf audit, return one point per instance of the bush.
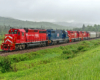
(81, 47)
(5, 65)
(84, 49)
(19, 58)
(74, 50)
(65, 56)
(23, 57)
(67, 52)
(61, 47)
(96, 44)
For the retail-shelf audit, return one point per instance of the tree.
(83, 27)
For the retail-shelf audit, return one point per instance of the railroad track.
(4, 53)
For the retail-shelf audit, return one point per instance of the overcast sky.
(52, 10)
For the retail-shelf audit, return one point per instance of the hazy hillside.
(19, 23)
(72, 24)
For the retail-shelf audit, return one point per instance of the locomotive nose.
(8, 43)
(8, 39)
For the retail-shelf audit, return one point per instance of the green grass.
(0, 42)
(82, 67)
(51, 64)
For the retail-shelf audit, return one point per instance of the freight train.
(18, 39)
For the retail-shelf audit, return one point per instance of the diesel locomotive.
(18, 39)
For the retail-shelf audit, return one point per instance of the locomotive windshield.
(13, 32)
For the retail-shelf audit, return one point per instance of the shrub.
(74, 50)
(61, 47)
(5, 65)
(67, 52)
(84, 49)
(96, 44)
(81, 47)
(23, 57)
(66, 56)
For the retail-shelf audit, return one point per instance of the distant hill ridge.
(29, 24)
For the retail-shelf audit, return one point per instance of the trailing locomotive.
(18, 39)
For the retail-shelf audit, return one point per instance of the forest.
(95, 27)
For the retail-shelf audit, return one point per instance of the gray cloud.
(52, 10)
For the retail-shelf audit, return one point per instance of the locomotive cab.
(9, 41)
(19, 35)
(14, 36)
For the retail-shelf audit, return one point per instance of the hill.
(19, 23)
(72, 24)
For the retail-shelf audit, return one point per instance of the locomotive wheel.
(52, 43)
(74, 40)
(55, 42)
(16, 47)
(20, 46)
(40, 45)
(23, 46)
(67, 41)
(43, 44)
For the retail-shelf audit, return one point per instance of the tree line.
(88, 28)
(4, 28)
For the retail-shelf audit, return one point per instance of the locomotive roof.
(37, 29)
(21, 30)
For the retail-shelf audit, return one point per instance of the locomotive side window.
(22, 33)
(9, 32)
(53, 31)
(12, 32)
(18, 33)
(42, 31)
(15, 32)
(35, 30)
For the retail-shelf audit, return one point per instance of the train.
(23, 38)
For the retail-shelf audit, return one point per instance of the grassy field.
(0, 42)
(57, 63)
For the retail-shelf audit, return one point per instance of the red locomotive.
(21, 38)
(85, 35)
(73, 36)
(80, 34)
(77, 35)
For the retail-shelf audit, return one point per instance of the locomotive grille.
(5, 45)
